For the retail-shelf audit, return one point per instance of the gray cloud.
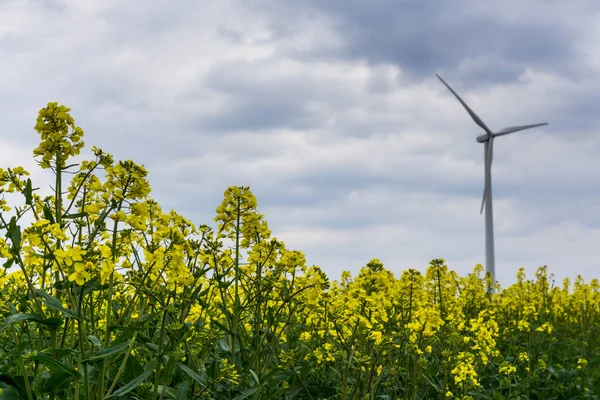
(426, 37)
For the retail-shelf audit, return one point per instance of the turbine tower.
(488, 154)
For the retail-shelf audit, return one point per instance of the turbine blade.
(512, 129)
(475, 117)
(488, 158)
(483, 199)
(491, 151)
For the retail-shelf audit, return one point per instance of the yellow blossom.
(80, 275)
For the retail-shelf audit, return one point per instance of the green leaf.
(28, 192)
(92, 285)
(54, 364)
(192, 374)
(132, 368)
(429, 379)
(168, 369)
(6, 380)
(224, 345)
(76, 215)
(54, 322)
(9, 262)
(109, 351)
(61, 351)
(246, 393)
(55, 304)
(95, 341)
(275, 374)
(48, 213)
(322, 391)
(183, 391)
(11, 319)
(255, 377)
(168, 391)
(11, 393)
(14, 231)
(220, 326)
(15, 385)
(153, 347)
(134, 383)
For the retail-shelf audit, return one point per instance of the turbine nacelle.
(483, 138)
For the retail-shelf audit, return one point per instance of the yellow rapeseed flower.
(80, 275)
(377, 336)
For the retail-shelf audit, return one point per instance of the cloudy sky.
(331, 112)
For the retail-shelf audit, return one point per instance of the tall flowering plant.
(105, 295)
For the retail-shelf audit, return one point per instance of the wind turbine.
(488, 153)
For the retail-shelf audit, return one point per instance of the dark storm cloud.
(425, 37)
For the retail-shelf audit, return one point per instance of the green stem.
(81, 333)
(414, 379)
(102, 367)
(160, 349)
(111, 283)
(236, 299)
(58, 192)
(122, 367)
(25, 378)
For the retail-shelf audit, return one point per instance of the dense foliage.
(105, 295)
